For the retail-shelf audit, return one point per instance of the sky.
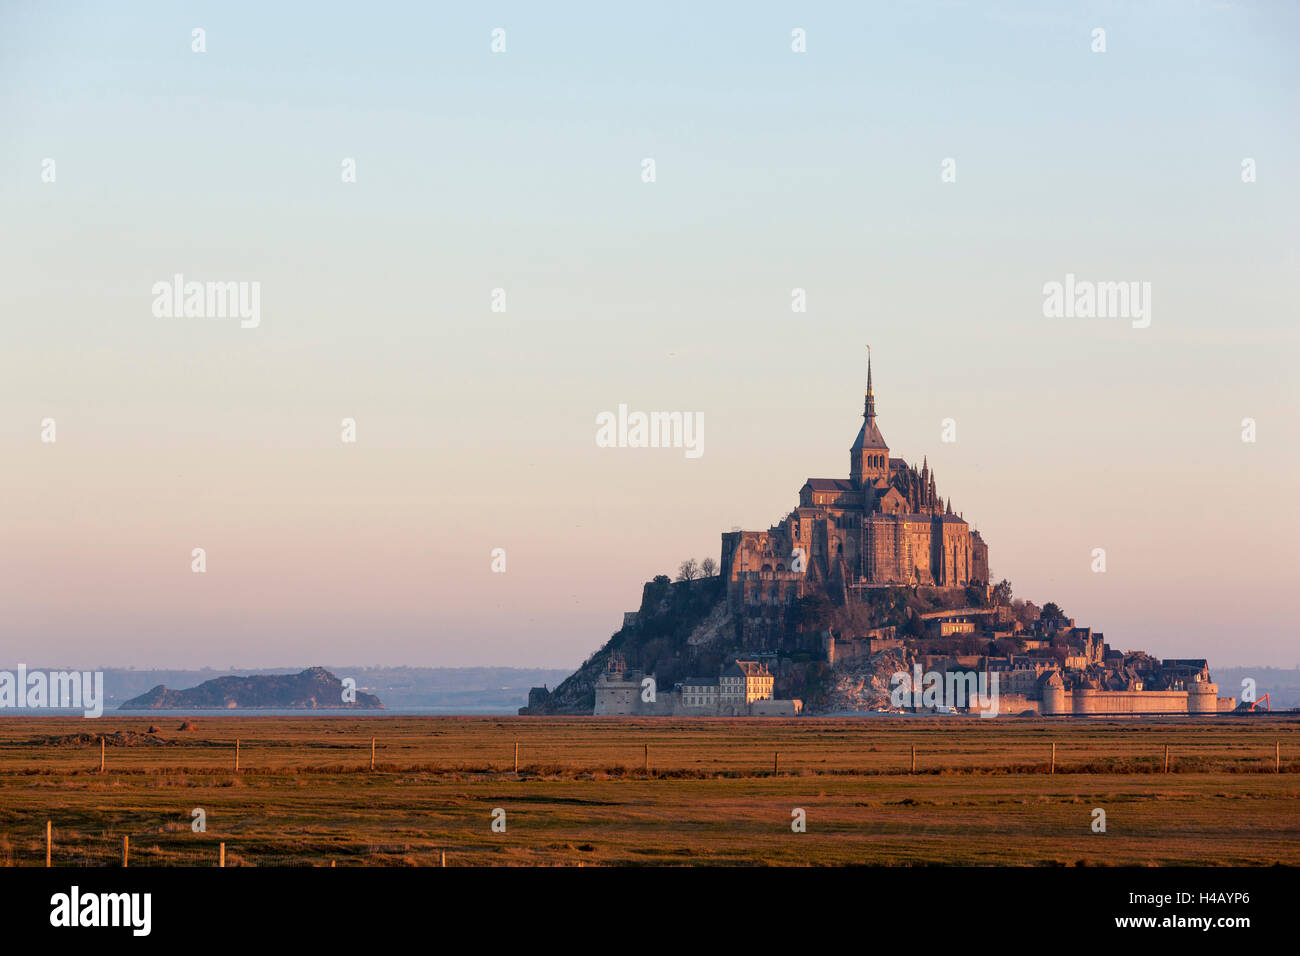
(921, 171)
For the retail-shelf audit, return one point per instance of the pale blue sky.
(775, 170)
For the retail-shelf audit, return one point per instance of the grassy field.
(714, 792)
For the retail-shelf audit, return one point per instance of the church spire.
(869, 454)
(870, 412)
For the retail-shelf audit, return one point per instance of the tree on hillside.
(1002, 593)
(813, 611)
(853, 619)
(708, 567)
(1051, 612)
(655, 594)
(915, 627)
(1006, 646)
(1026, 612)
(689, 570)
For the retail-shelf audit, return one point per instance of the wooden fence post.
(442, 857)
(1277, 756)
(372, 754)
(776, 762)
(516, 757)
(47, 843)
(236, 755)
(645, 760)
(221, 855)
(101, 754)
(126, 843)
(1166, 758)
(1053, 768)
(913, 758)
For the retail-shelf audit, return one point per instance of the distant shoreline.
(33, 713)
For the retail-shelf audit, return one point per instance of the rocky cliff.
(865, 683)
(680, 630)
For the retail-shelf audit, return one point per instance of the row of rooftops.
(1133, 672)
(812, 510)
(846, 487)
(734, 669)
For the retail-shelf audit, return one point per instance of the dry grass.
(305, 794)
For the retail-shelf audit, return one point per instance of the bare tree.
(689, 570)
(708, 567)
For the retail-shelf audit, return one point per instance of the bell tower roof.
(869, 437)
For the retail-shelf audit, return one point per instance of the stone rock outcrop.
(865, 683)
(312, 689)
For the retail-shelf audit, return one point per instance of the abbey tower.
(883, 526)
(869, 456)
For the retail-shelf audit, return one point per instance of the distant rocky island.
(459, 690)
(312, 689)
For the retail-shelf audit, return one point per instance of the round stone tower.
(1202, 697)
(1054, 695)
(1085, 700)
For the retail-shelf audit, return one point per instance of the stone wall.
(1202, 699)
(776, 708)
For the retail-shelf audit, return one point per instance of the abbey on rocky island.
(883, 526)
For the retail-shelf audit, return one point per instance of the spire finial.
(870, 411)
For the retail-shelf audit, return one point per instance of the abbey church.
(884, 526)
